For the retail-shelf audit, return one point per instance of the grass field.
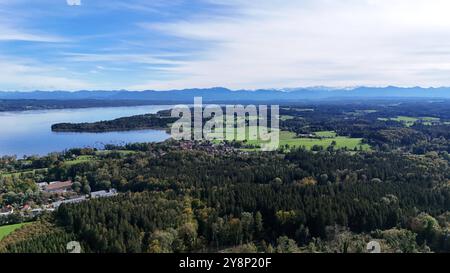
(17, 174)
(290, 138)
(429, 120)
(88, 158)
(124, 152)
(326, 134)
(286, 117)
(409, 121)
(361, 112)
(79, 159)
(6, 230)
(298, 109)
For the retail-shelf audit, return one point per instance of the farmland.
(322, 139)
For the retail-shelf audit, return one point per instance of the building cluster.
(82, 198)
(6, 211)
(64, 194)
(211, 148)
(56, 186)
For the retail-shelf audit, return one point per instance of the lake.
(29, 132)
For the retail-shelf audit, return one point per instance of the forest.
(178, 197)
(139, 122)
(47, 104)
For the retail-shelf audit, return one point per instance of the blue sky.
(162, 45)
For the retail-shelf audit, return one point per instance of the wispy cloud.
(141, 5)
(140, 44)
(320, 42)
(8, 33)
(15, 27)
(119, 58)
(27, 75)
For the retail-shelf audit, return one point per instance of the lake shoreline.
(29, 132)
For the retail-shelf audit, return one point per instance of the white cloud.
(248, 44)
(17, 35)
(10, 32)
(27, 75)
(120, 58)
(316, 42)
(14, 26)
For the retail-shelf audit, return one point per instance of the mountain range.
(220, 94)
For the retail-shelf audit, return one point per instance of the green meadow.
(88, 158)
(325, 139)
(6, 230)
(123, 152)
(326, 134)
(17, 174)
(289, 138)
(286, 117)
(79, 159)
(409, 121)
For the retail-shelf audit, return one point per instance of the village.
(59, 192)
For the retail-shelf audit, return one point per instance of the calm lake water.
(29, 132)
